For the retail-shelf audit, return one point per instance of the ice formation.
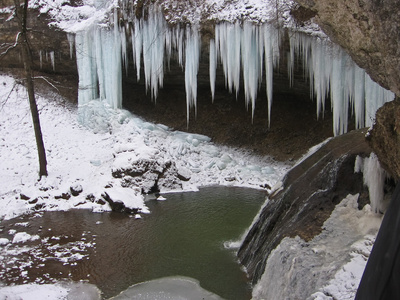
(242, 49)
(333, 73)
(374, 178)
(244, 52)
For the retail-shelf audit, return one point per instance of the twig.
(3, 54)
(48, 81)
(8, 96)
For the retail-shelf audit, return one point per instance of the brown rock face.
(48, 44)
(384, 137)
(369, 30)
(310, 192)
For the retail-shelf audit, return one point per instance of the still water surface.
(184, 236)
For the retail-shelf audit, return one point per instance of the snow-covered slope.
(81, 159)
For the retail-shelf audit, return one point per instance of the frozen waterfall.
(242, 50)
(333, 73)
(247, 53)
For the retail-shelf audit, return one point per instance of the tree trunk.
(21, 14)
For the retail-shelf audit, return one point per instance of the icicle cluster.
(333, 73)
(244, 52)
(243, 49)
(49, 55)
(99, 61)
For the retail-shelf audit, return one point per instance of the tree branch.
(3, 54)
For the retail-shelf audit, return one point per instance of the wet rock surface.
(310, 192)
(384, 137)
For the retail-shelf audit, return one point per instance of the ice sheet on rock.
(177, 287)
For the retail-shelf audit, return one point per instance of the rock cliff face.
(369, 30)
(49, 45)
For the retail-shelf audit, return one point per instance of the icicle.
(177, 41)
(153, 50)
(359, 96)
(359, 164)
(168, 46)
(270, 44)
(375, 97)
(247, 46)
(192, 55)
(122, 38)
(213, 68)
(99, 61)
(41, 58)
(250, 64)
(339, 102)
(137, 45)
(53, 64)
(71, 40)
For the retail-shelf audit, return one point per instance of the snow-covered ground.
(81, 159)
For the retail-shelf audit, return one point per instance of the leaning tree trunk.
(21, 14)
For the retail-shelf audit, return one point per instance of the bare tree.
(21, 14)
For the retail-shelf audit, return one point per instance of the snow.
(85, 155)
(22, 237)
(130, 197)
(77, 291)
(329, 266)
(4, 241)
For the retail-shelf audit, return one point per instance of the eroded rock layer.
(310, 192)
